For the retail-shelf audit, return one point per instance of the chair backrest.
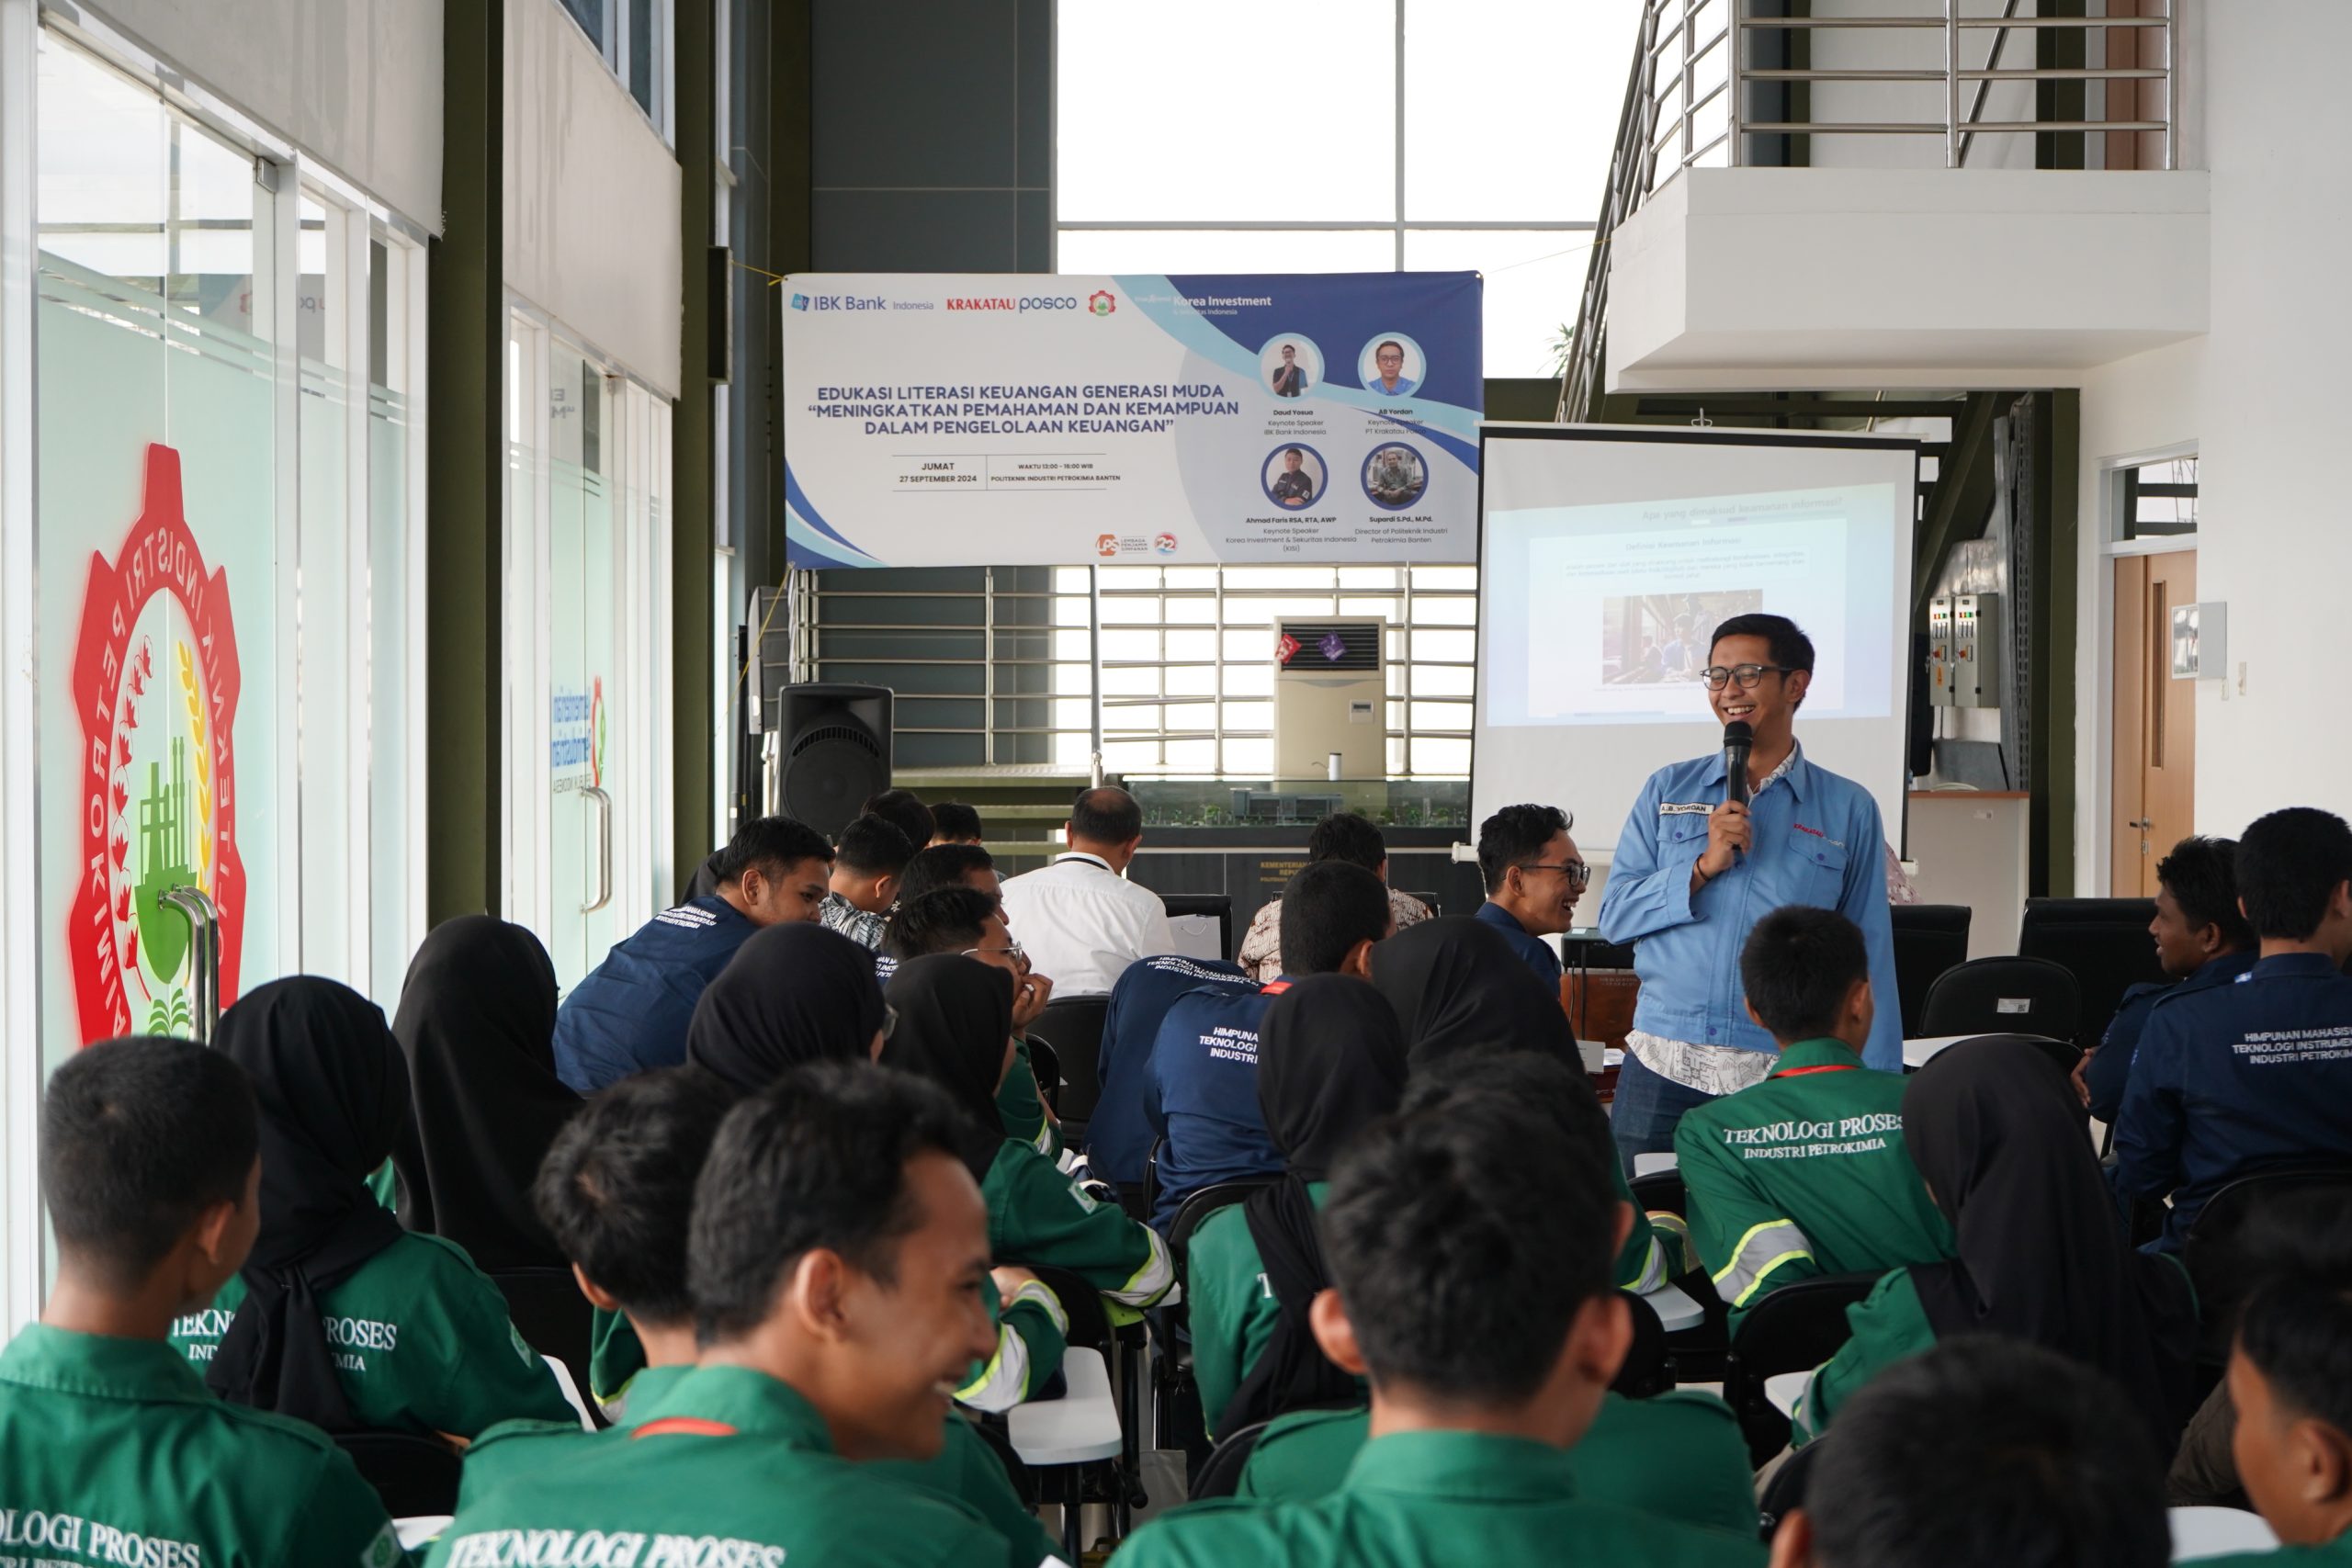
(1220, 1474)
(1661, 1189)
(2103, 942)
(413, 1475)
(1793, 1329)
(2248, 1221)
(1929, 940)
(1216, 907)
(1045, 1066)
(1199, 1205)
(1072, 1026)
(2003, 996)
(1647, 1368)
(550, 1314)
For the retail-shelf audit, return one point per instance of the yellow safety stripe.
(1154, 1279)
(1764, 1249)
(1004, 1381)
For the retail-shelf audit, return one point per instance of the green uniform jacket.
(1805, 1173)
(967, 1469)
(765, 1490)
(2337, 1552)
(1022, 1111)
(1889, 1325)
(422, 1340)
(1433, 1500)
(1678, 1457)
(112, 1451)
(1038, 1216)
(1232, 1309)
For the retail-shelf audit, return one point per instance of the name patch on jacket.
(1685, 808)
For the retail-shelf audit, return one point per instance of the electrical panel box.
(1976, 643)
(1940, 652)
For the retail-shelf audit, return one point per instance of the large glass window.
(1349, 135)
(634, 37)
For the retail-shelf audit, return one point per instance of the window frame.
(617, 49)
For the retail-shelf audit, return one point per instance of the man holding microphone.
(1706, 854)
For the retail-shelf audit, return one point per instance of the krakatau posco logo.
(156, 683)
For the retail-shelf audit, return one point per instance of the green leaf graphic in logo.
(171, 1015)
(166, 831)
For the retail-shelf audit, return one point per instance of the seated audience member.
(1200, 1089)
(962, 920)
(2290, 1380)
(1458, 990)
(1982, 1450)
(339, 1317)
(629, 1014)
(1533, 878)
(476, 1024)
(1331, 1063)
(955, 1027)
(951, 865)
(1998, 1133)
(904, 809)
(1805, 1173)
(833, 1261)
(1490, 1358)
(1341, 836)
(868, 864)
(953, 822)
(1118, 1139)
(112, 1449)
(2203, 940)
(1081, 919)
(2251, 1077)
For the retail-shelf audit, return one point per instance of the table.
(1784, 1389)
(1920, 1052)
(1081, 1425)
(1674, 1309)
(1651, 1163)
(2209, 1532)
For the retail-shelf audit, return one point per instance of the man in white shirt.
(1080, 919)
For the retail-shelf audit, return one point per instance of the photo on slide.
(1647, 639)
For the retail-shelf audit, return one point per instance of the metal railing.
(1684, 108)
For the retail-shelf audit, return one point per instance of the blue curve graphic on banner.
(797, 510)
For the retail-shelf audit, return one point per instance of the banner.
(1047, 419)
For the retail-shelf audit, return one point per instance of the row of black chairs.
(2076, 958)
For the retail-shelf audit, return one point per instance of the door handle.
(604, 803)
(203, 959)
(2143, 824)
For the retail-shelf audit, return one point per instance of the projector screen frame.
(1601, 855)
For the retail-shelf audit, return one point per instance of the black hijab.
(1456, 985)
(955, 1022)
(477, 1024)
(332, 1093)
(2001, 1140)
(794, 993)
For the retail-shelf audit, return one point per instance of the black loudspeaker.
(836, 751)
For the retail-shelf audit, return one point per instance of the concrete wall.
(2257, 396)
(357, 83)
(592, 197)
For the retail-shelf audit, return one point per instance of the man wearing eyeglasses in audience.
(1533, 878)
(1693, 872)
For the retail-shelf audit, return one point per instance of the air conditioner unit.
(1330, 694)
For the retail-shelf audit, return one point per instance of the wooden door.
(2155, 719)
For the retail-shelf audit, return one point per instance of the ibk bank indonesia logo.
(1102, 302)
(800, 301)
(155, 682)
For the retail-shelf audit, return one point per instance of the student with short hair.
(903, 809)
(952, 865)
(1343, 835)
(1118, 1139)
(834, 1260)
(1490, 1357)
(339, 1317)
(1199, 1088)
(2290, 1379)
(965, 921)
(1983, 1450)
(868, 863)
(631, 1013)
(112, 1449)
(953, 822)
(1533, 878)
(1805, 1173)
(2257, 1075)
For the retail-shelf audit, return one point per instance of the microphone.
(1738, 737)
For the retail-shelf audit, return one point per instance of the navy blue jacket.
(1118, 1139)
(2236, 1079)
(630, 1014)
(1202, 1095)
(2110, 1066)
(1533, 950)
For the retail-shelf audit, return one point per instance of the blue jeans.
(1646, 1110)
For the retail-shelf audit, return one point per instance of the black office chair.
(1648, 1367)
(1119, 1480)
(2003, 996)
(2254, 1222)
(554, 1319)
(1045, 1066)
(413, 1475)
(1793, 1329)
(1661, 1189)
(1219, 1475)
(1219, 905)
(1072, 1026)
(1179, 1421)
(1435, 904)
(2103, 942)
(1929, 938)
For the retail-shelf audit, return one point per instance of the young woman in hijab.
(477, 1025)
(339, 1316)
(953, 1025)
(793, 993)
(1458, 988)
(1999, 1137)
(1331, 1062)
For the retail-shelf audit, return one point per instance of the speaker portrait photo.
(1290, 377)
(1293, 477)
(1395, 476)
(1392, 366)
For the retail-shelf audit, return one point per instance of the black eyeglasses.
(1747, 675)
(1578, 873)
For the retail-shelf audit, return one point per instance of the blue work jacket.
(2110, 1067)
(1201, 1094)
(630, 1014)
(1118, 1139)
(1533, 950)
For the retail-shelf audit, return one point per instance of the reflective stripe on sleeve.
(1004, 1381)
(1764, 1249)
(1154, 1279)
